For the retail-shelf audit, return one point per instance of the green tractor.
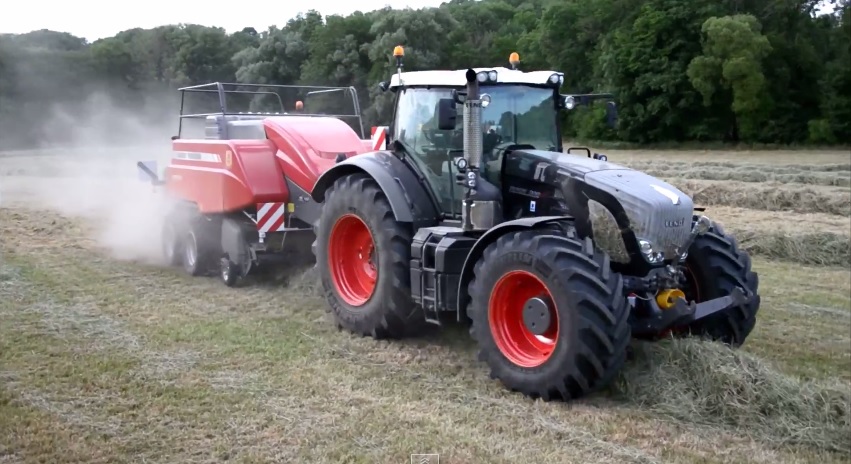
(556, 259)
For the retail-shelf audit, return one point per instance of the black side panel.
(407, 195)
(488, 238)
(437, 258)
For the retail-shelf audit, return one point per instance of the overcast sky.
(96, 19)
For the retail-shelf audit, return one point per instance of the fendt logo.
(671, 223)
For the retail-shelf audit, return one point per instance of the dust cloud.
(85, 167)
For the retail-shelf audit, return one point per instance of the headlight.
(486, 77)
(652, 256)
(554, 79)
(569, 102)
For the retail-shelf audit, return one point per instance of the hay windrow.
(767, 196)
(710, 384)
(818, 248)
(755, 175)
(838, 168)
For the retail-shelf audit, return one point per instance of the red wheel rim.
(516, 342)
(351, 258)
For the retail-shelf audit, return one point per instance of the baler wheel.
(363, 255)
(548, 314)
(196, 252)
(171, 245)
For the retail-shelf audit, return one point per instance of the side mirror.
(611, 114)
(447, 115)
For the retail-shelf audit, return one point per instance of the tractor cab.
(519, 110)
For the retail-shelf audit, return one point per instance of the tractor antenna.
(399, 53)
(514, 60)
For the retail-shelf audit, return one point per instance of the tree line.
(747, 71)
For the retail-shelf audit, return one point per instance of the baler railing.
(220, 89)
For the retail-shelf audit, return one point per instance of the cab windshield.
(516, 114)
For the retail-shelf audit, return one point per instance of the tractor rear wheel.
(714, 267)
(363, 255)
(549, 315)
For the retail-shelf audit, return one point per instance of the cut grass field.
(109, 360)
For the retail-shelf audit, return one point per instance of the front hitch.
(682, 313)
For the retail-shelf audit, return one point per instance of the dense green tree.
(730, 69)
(769, 71)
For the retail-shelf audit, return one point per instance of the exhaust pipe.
(473, 122)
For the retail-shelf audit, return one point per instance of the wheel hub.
(537, 315)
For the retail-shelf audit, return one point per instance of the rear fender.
(408, 198)
(489, 237)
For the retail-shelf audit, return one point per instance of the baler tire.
(197, 243)
(171, 245)
(590, 308)
(716, 265)
(387, 310)
(230, 272)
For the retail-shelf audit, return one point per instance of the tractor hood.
(648, 208)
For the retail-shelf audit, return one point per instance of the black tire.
(229, 272)
(715, 266)
(198, 254)
(593, 336)
(388, 311)
(172, 246)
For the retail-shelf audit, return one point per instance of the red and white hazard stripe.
(271, 217)
(379, 137)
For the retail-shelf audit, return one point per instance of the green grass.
(110, 361)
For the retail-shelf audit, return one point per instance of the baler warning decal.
(379, 137)
(270, 217)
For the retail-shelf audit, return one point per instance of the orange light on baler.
(398, 52)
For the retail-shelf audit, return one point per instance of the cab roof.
(457, 78)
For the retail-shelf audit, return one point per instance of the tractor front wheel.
(714, 267)
(548, 314)
(363, 255)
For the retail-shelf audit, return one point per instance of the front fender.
(489, 237)
(408, 198)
